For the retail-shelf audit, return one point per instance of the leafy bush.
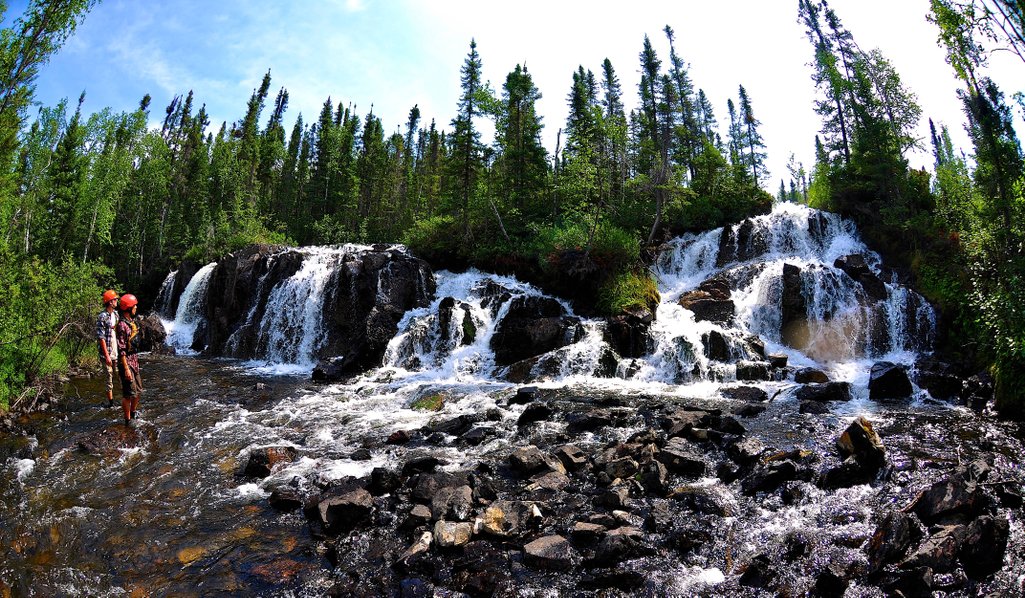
(629, 290)
(435, 239)
(45, 317)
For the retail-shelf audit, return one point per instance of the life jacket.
(132, 345)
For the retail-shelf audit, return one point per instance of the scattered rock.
(894, 535)
(342, 513)
(452, 503)
(861, 442)
(716, 346)
(939, 551)
(985, 541)
(813, 408)
(448, 534)
(524, 395)
(953, 495)
(750, 394)
(398, 437)
(586, 533)
(262, 461)
(504, 518)
(681, 457)
(572, 458)
(587, 422)
(285, 499)
(759, 573)
(777, 360)
(746, 450)
(828, 391)
(707, 308)
(550, 552)
(534, 412)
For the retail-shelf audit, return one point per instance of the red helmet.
(128, 302)
(109, 295)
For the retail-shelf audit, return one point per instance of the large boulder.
(943, 381)
(533, 326)
(860, 441)
(550, 552)
(263, 461)
(345, 511)
(829, 391)
(151, 334)
(629, 332)
(888, 381)
(453, 324)
(707, 307)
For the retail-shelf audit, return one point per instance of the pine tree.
(753, 143)
(465, 158)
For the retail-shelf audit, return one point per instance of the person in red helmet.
(106, 340)
(127, 340)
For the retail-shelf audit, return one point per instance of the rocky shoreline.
(605, 495)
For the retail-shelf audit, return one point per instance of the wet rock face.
(232, 292)
(856, 267)
(108, 442)
(707, 307)
(793, 305)
(532, 326)
(368, 296)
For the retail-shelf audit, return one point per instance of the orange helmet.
(128, 302)
(109, 295)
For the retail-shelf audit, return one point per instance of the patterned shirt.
(127, 330)
(106, 324)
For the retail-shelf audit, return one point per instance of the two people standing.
(117, 340)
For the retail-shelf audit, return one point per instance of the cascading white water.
(423, 349)
(164, 295)
(191, 311)
(291, 330)
(840, 324)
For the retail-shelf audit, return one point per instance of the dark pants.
(131, 388)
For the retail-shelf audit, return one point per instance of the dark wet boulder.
(985, 541)
(452, 503)
(850, 472)
(629, 332)
(978, 391)
(427, 485)
(753, 370)
(588, 422)
(793, 305)
(830, 391)
(855, 266)
(529, 460)
(888, 381)
(746, 450)
(454, 324)
(894, 535)
(956, 494)
(421, 464)
(572, 458)
(810, 376)
(939, 551)
(152, 335)
(681, 457)
(683, 421)
(285, 499)
(383, 481)
(345, 511)
(942, 380)
(749, 394)
(813, 408)
(767, 477)
(777, 360)
(550, 552)
(615, 548)
(263, 461)
(525, 395)
(533, 326)
(535, 412)
(707, 308)
(716, 346)
(862, 442)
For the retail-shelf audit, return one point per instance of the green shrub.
(629, 290)
(438, 238)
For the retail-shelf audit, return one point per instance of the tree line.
(104, 197)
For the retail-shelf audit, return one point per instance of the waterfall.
(160, 306)
(191, 313)
(838, 319)
(291, 330)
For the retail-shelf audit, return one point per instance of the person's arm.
(106, 353)
(122, 345)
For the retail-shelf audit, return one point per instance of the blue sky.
(393, 54)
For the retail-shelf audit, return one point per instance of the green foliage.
(432, 402)
(628, 290)
(46, 317)
(608, 247)
(436, 237)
